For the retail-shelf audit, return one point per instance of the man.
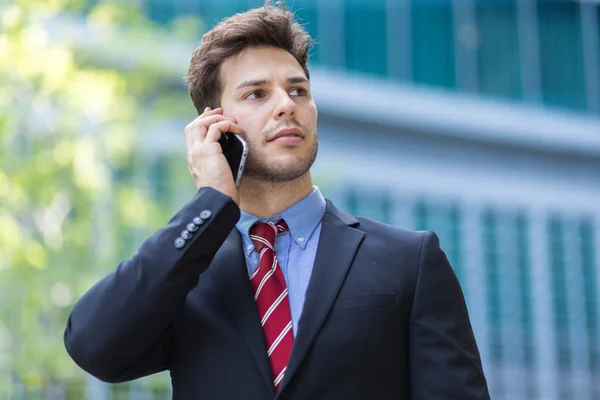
(269, 291)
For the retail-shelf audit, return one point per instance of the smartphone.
(235, 150)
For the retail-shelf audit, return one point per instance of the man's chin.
(279, 176)
(285, 166)
(278, 172)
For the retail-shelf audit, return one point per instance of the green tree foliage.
(75, 81)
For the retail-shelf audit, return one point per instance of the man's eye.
(257, 94)
(299, 92)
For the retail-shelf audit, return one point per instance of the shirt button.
(300, 239)
(205, 214)
(192, 227)
(186, 234)
(250, 247)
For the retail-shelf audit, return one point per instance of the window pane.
(588, 262)
(493, 313)
(307, 16)
(561, 54)
(525, 287)
(560, 304)
(498, 50)
(598, 36)
(509, 314)
(184, 7)
(370, 204)
(213, 11)
(160, 10)
(365, 41)
(455, 235)
(433, 43)
(445, 219)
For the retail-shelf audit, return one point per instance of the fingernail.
(206, 109)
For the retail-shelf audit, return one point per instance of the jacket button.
(205, 214)
(179, 243)
(198, 221)
(186, 234)
(192, 227)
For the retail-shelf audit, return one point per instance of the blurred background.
(478, 119)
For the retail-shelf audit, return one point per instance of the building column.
(591, 54)
(545, 352)
(581, 379)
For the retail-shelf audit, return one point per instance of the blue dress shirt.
(295, 250)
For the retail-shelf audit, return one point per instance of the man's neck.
(265, 199)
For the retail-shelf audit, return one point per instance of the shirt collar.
(302, 218)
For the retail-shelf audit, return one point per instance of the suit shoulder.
(379, 231)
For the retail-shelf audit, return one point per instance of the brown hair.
(271, 25)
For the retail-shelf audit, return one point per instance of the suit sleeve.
(444, 358)
(121, 328)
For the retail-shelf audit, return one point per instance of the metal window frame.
(591, 54)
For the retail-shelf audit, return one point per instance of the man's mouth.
(288, 136)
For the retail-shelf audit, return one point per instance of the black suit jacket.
(384, 316)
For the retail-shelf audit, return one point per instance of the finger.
(208, 121)
(208, 111)
(188, 137)
(196, 131)
(191, 132)
(216, 130)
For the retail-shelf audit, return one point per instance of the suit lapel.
(338, 244)
(229, 271)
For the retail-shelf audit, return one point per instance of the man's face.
(266, 91)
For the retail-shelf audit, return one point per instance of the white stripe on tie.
(280, 338)
(262, 252)
(272, 225)
(262, 240)
(280, 376)
(273, 307)
(262, 283)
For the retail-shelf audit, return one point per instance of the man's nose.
(285, 105)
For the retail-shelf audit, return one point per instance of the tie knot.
(263, 233)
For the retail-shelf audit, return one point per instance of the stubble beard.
(259, 168)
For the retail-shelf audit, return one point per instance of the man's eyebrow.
(256, 82)
(262, 82)
(297, 79)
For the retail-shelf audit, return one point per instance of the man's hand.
(206, 162)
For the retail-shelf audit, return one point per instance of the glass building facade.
(532, 51)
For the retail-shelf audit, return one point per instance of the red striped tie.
(271, 295)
